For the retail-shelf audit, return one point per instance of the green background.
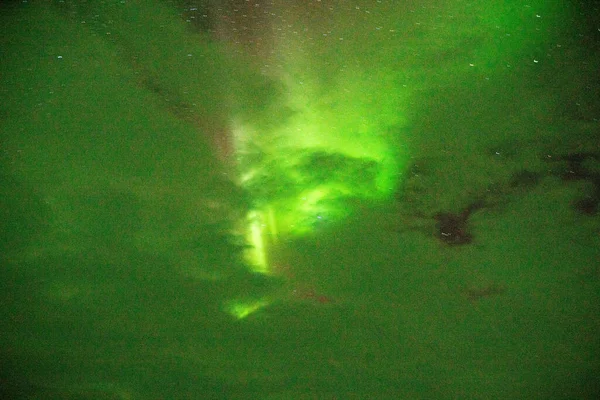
(119, 208)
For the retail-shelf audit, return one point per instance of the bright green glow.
(241, 309)
(303, 187)
(336, 142)
(256, 255)
(342, 138)
(335, 137)
(272, 224)
(293, 195)
(314, 166)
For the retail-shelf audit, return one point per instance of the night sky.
(424, 176)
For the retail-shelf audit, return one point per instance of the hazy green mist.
(120, 206)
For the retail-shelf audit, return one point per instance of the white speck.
(471, 65)
(189, 54)
(59, 57)
(538, 16)
(536, 61)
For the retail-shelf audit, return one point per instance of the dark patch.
(576, 170)
(453, 229)
(481, 292)
(588, 206)
(524, 179)
(197, 14)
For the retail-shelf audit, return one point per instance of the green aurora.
(199, 202)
